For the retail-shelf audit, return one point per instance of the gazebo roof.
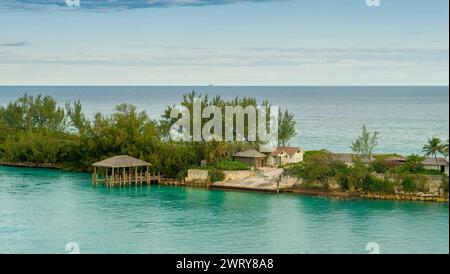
(121, 161)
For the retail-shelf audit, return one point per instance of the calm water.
(42, 210)
(327, 117)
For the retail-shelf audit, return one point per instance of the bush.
(231, 165)
(378, 166)
(409, 185)
(216, 175)
(376, 185)
(444, 184)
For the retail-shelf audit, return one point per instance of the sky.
(224, 42)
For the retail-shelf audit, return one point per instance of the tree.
(445, 149)
(319, 167)
(432, 148)
(413, 163)
(76, 116)
(365, 143)
(286, 128)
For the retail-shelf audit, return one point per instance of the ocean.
(326, 117)
(46, 211)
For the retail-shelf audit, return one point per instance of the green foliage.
(444, 184)
(353, 178)
(286, 120)
(319, 167)
(216, 175)
(433, 147)
(286, 127)
(409, 184)
(380, 166)
(413, 164)
(231, 165)
(365, 143)
(28, 112)
(76, 116)
(376, 185)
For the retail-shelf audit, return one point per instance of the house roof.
(121, 161)
(287, 150)
(251, 153)
(348, 157)
(431, 161)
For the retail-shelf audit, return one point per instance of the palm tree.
(445, 149)
(432, 148)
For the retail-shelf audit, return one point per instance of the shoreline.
(332, 194)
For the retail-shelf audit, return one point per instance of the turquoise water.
(327, 117)
(43, 210)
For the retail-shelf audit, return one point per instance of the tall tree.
(77, 118)
(365, 143)
(432, 148)
(445, 148)
(286, 127)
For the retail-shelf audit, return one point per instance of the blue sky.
(224, 42)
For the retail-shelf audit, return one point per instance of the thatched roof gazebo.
(119, 170)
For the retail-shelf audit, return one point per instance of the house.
(285, 155)
(251, 157)
(430, 163)
(347, 158)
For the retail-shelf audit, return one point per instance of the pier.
(123, 170)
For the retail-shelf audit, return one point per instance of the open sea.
(327, 117)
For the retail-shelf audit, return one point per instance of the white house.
(430, 163)
(285, 155)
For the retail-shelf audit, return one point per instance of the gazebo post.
(112, 176)
(135, 175)
(95, 175)
(124, 176)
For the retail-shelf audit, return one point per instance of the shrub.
(409, 185)
(444, 184)
(377, 185)
(231, 165)
(378, 166)
(216, 175)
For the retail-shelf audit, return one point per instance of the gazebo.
(124, 170)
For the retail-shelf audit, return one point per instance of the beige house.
(430, 163)
(285, 155)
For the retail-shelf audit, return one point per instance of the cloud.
(116, 4)
(15, 44)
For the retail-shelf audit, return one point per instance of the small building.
(251, 157)
(430, 163)
(285, 155)
(122, 170)
(348, 158)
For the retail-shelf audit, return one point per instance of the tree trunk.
(437, 163)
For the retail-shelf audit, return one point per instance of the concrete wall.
(197, 175)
